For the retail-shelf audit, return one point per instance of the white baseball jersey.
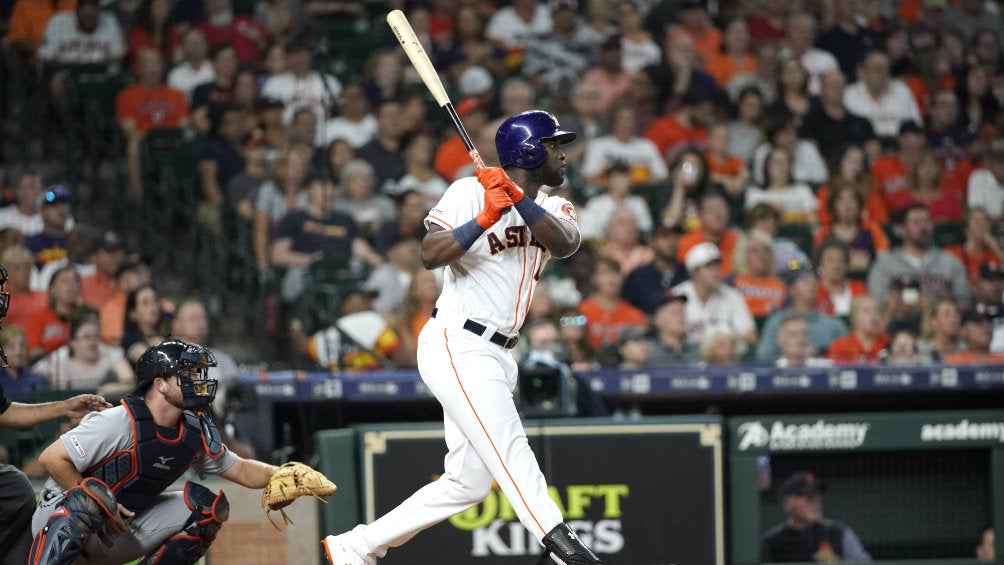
(316, 92)
(474, 378)
(64, 43)
(494, 281)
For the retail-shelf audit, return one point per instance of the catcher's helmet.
(520, 139)
(190, 361)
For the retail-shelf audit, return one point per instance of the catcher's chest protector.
(138, 475)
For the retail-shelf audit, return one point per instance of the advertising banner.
(850, 432)
(641, 493)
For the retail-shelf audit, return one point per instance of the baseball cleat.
(340, 551)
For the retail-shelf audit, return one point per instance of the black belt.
(497, 338)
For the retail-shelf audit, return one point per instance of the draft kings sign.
(634, 493)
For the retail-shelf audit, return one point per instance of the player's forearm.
(559, 237)
(440, 248)
(250, 473)
(20, 415)
(56, 462)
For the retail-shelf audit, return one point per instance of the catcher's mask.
(4, 304)
(189, 362)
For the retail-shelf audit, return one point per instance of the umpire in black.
(17, 497)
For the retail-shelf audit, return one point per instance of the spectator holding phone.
(939, 272)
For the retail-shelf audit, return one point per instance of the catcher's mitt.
(290, 482)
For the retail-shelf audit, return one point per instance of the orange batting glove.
(496, 176)
(496, 200)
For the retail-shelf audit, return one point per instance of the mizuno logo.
(163, 463)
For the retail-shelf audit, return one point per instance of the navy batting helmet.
(520, 139)
(189, 361)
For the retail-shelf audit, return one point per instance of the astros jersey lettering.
(494, 281)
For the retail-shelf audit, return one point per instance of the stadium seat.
(93, 132)
(949, 233)
(345, 45)
(328, 282)
(801, 234)
(653, 194)
(892, 232)
(169, 167)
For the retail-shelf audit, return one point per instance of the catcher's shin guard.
(563, 547)
(186, 547)
(85, 509)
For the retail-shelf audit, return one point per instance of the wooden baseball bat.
(420, 60)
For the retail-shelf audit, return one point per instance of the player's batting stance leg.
(463, 351)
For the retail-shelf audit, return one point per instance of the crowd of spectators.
(792, 183)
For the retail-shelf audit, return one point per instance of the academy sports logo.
(77, 446)
(964, 430)
(753, 434)
(163, 463)
(794, 437)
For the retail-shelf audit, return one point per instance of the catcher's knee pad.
(209, 511)
(85, 509)
(563, 547)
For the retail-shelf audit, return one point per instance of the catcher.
(104, 501)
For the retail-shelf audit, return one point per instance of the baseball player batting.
(493, 262)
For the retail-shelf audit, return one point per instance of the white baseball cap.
(702, 254)
(474, 81)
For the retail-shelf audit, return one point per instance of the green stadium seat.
(653, 194)
(801, 234)
(328, 282)
(892, 232)
(91, 93)
(949, 233)
(92, 133)
(169, 162)
(347, 44)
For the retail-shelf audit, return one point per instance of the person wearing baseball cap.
(107, 254)
(988, 289)
(803, 289)
(50, 244)
(645, 286)
(633, 348)
(977, 333)
(668, 344)
(709, 300)
(805, 535)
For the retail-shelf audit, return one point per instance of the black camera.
(547, 387)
